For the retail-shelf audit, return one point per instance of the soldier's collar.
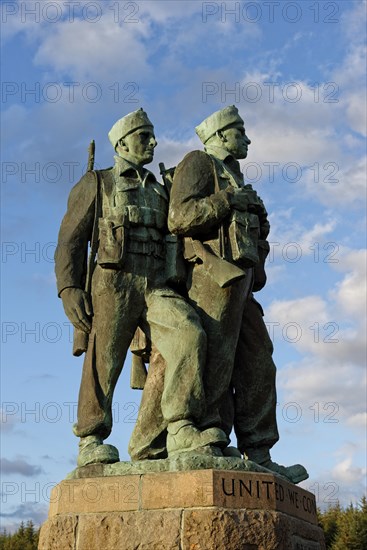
(124, 167)
(220, 153)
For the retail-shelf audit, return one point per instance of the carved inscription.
(256, 492)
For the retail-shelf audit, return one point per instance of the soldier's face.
(236, 142)
(139, 145)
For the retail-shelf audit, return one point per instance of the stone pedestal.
(189, 510)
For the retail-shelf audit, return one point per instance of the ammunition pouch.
(243, 232)
(156, 249)
(176, 272)
(146, 217)
(112, 243)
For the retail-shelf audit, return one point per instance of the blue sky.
(296, 72)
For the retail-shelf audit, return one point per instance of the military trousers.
(149, 436)
(123, 300)
(220, 311)
(250, 402)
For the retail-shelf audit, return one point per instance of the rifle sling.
(94, 238)
(221, 238)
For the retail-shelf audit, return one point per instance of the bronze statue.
(211, 365)
(127, 208)
(224, 227)
(211, 207)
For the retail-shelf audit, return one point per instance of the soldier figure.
(128, 290)
(220, 216)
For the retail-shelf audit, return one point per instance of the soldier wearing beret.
(128, 290)
(218, 215)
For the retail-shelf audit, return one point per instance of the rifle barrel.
(91, 150)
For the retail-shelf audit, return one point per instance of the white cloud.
(330, 333)
(358, 421)
(161, 11)
(286, 229)
(275, 273)
(296, 110)
(351, 70)
(321, 381)
(309, 132)
(97, 51)
(344, 482)
(350, 74)
(316, 234)
(349, 294)
(346, 473)
(357, 111)
(353, 183)
(353, 23)
(15, 21)
(171, 152)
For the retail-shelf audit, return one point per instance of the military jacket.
(130, 197)
(200, 204)
(196, 210)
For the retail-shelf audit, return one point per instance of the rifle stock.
(80, 342)
(80, 339)
(222, 272)
(138, 373)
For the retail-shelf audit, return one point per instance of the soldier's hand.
(78, 308)
(244, 199)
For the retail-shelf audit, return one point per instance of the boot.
(183, 436)
(92, 451)
(232, 452)
(295, 473)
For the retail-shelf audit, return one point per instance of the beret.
(128, 124)
(217, 121)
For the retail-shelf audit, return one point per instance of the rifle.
(222, 272)
(139, 345)
(80, 341)
(167, 176)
